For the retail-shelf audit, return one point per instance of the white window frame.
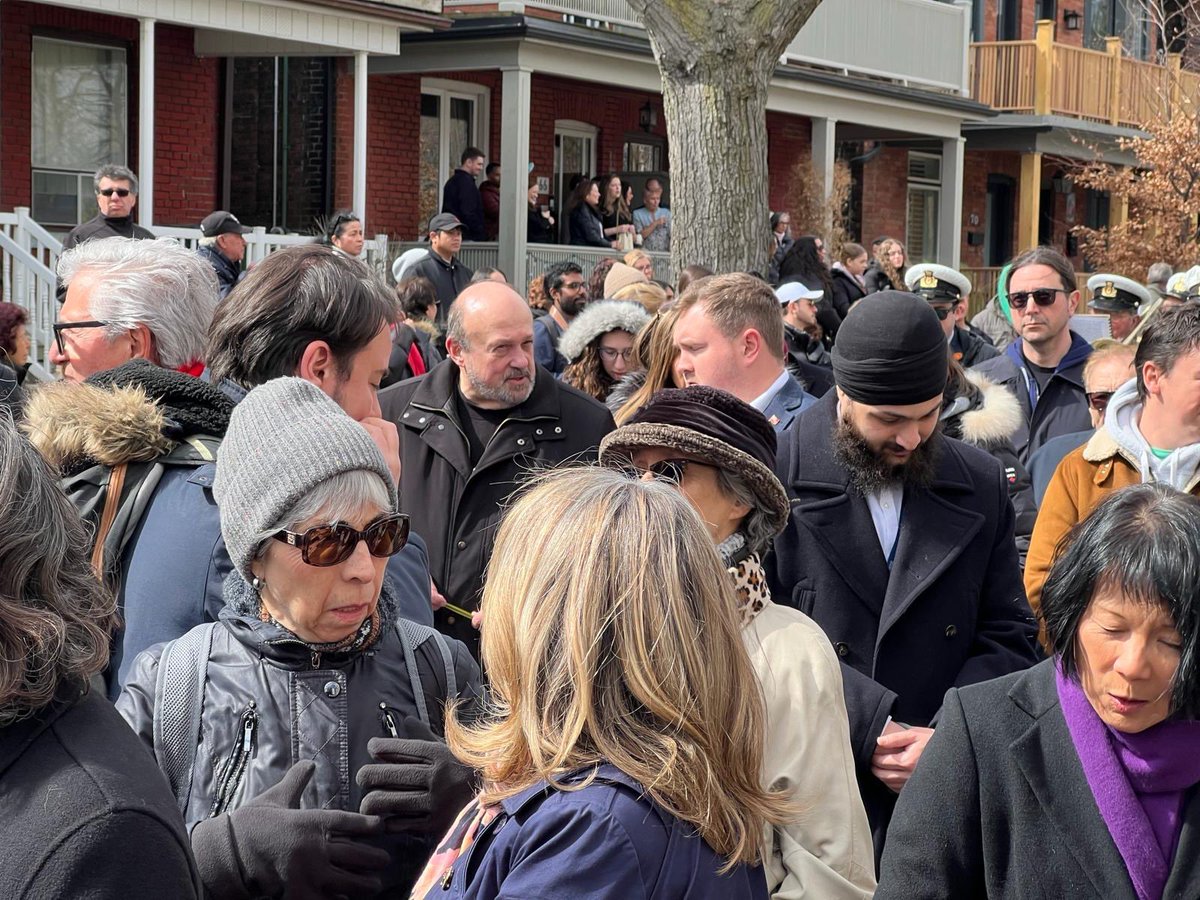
(448, 89)
(926, 186)
(575, 129)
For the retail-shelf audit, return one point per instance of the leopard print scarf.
(749, 580)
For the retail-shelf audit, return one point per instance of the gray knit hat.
(284, 439)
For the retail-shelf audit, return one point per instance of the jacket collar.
(937, 524)
(17, 738)
(605, 774)
(1045, 754)
(789, 401)
(1070, 367)
(448, 266)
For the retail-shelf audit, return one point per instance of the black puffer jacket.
(846, 291)
(295, 705)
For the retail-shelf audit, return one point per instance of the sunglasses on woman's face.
(328, 545)
(663, 469)
(1042, 297)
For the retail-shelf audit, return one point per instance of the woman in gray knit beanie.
(315, 706)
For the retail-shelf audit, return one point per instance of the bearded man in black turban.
(899, 543)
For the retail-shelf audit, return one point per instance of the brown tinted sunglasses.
(328, 545)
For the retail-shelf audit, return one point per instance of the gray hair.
(338, 499)
(455, 329)
(209, 241)
(114, 172)
(160, 284)
(1159, 273)
(756, 526)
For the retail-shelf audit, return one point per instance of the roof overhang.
(271, 27)
(1052, 136)
(539, 45)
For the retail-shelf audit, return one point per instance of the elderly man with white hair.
(130, 299)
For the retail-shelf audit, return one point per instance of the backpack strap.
(112, 502)
(413, 636)
(182, 677)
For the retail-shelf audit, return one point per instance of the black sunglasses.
(942, 312)
(664, 469)
(60, 327)
(1098, 400)
(328, 545)
(1042, 297)
(120, 192)
(342, 220)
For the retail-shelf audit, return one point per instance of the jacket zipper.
(453, 520)
(388, 721)
(230, 777)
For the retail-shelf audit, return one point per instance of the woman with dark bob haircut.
(86, 812)
(1076, 778)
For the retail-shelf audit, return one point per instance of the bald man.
(471, 429)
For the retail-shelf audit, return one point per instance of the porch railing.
(1044, 77)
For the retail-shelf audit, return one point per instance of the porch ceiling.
(1053, 136)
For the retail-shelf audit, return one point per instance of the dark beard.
(869, 471)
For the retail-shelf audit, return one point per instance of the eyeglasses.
(572, 286)
(60, 327)
(942, 312)
(1042, 297)
(1098, 400)
(328, 545)
(665, 469)
(610, 354)
(120, 192)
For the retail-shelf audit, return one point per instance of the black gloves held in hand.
(415, 782)
(272, 848)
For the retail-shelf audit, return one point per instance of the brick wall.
(977, 166)
(187, 101)
(789, 139)
(186, 105)
(885, 195)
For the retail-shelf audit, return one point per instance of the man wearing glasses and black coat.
(1044, 366)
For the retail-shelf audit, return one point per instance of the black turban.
(891, 351)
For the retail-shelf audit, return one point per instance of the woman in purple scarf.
(1077, 778)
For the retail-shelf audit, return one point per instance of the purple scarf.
(1138, 781)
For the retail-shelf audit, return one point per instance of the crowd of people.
(783, 584)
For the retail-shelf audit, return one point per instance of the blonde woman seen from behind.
(621, 757)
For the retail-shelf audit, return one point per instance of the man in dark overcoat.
(900, 543)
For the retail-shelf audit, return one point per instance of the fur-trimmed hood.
(599, 318)
(74, 425)
(996, 418)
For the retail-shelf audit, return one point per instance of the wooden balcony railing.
(1043, 77)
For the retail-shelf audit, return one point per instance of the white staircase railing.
(29, 265)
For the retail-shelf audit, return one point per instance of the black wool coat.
(952, 610)
(457, 508)
(86, 811)
(999, 807)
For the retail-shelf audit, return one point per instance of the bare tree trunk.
(716, 58)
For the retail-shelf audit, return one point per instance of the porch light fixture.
(1071, 19)
(647, 117)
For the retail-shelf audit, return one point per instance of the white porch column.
(951, 204)
(360, 137)
(516, 87)
(145, 168)
(824, 151)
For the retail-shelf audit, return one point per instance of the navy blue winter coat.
(460, 196)
(604, 841)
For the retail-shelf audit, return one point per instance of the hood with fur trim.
(599, 318)
(997, 418)
(76, 425)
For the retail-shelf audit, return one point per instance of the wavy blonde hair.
(621, 645)
(655, 351)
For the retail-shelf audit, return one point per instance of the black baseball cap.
(222, 222)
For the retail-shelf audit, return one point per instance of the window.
(453, 118)
(78, 114)
(924, 196)
(1127, 19)
(643, 155)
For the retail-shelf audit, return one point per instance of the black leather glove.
(416, 783)
(272, 848)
